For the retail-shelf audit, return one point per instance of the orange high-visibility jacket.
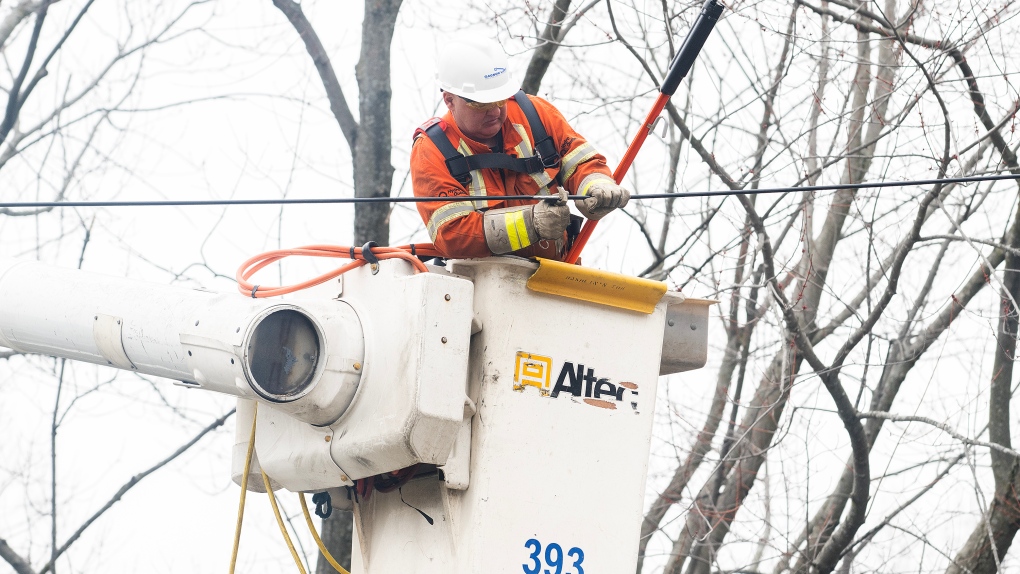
(456, 227)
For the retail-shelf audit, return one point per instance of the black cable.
(636, 197)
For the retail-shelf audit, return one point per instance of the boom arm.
(250, 348)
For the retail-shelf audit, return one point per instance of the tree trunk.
(993, 534)
(337, 535)
(371, 139)
(373, 177)
(371, 145)
(373, 172)
(548, 42)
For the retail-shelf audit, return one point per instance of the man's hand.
(551, 218)
(603, 197)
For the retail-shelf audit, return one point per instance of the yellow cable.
(244, 490)
(318, 541)
(279, 521)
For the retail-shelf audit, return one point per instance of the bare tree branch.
(131, 484)
(549, 42)
(42, 71)
(941, 426)
(870, 534)
(995, 244)
(16, 16)
(14, 100)
(977, 97)
(337, 102)
(20, 565)
(903, 355)
(18, 134)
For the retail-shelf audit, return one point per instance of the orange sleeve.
(454, 226)
(578, 158)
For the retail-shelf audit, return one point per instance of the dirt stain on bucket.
(601, 404)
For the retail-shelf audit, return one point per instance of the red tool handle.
(678, 69)
(621, 171)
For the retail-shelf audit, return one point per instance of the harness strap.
(503, 161)
(545, 147)
(461, 166)
(438, 137)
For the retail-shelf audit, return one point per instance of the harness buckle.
(535, 164)
(459, 168)
(547, 151)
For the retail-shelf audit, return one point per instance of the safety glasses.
(484, 106)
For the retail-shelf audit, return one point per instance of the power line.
(636, 197)
(834, 187)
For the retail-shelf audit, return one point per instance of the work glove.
(512, 228)
(551, 218)
(603, 197)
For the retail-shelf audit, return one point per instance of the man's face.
(479, 125)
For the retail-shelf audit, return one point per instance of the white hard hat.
(476, 69)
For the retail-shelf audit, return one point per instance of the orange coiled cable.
(258, 262)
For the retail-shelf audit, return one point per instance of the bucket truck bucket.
(549, 469)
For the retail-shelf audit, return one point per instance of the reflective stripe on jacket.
(456, 227)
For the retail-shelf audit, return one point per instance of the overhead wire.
(371, 254)
(415, 199)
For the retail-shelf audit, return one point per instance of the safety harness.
(461, 166)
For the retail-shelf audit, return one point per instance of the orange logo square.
(532, 370)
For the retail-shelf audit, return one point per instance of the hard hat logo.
(531, 370)
(495, 72)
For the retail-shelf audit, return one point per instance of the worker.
(496, 141)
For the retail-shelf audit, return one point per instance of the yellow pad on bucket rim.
(602, 287)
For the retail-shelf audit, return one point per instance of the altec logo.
(531, 370)
(495, 72)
